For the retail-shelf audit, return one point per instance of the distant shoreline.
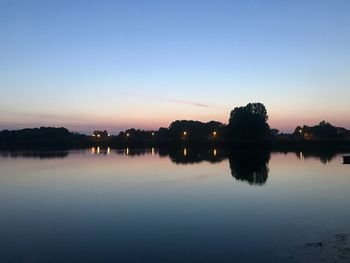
(60, 138)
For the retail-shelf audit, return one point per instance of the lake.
(184, 205)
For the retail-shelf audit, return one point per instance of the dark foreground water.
(102, 205)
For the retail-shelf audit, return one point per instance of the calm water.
(102, 205)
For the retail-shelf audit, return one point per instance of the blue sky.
(118, 64)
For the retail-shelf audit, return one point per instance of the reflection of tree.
(195, 155)
(250, 166)
(134, 152)
(36, 154)
(324, 157)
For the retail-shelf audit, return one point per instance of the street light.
(185, 133)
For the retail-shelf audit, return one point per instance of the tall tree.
(249, 123)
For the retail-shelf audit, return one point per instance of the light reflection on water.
(185, 205)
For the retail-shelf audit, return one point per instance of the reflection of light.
(93, 150)
(98, 150)
(214, 152)
(108, 150)
(127, 151)
(185, 151)
(98, 135)
(152, 151)
(301, 155)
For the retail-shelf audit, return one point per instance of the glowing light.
(214, 152)
(93, 135)
(98, 150)
(185, 133)
(185, 151)
(214, 133)
(127, 151)
(108, 151)
(127, 135)
(98, 135)
(300, 130)
(152, 133)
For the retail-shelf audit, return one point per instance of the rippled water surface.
(103, 205)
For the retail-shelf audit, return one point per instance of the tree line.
(247, 123)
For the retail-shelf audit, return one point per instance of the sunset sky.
(112, 65)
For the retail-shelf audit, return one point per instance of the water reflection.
(246, 166)
(105, 208)
(136, 152)
(250, 166)
(324, 157)
(102, 151)
(177, 155)
(35, 154)
(192, 156)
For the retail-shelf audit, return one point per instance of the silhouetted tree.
(324, 130)
(194, 130)
(100, 134)
(135, 135)
(274, 133)
(163, 134)
(40, 137)
(248, 123)
(257, 109)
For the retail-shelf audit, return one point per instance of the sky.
(113, 65)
